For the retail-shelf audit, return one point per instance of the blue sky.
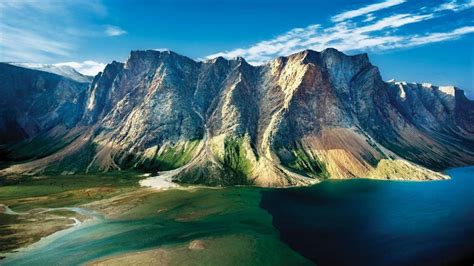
(412, 40)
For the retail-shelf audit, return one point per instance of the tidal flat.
(190, 225)
(32, 208)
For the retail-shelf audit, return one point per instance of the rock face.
(292, 121)
(33, 102)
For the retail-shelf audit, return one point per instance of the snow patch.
(403, 95)
(426, 85)
(450, 90)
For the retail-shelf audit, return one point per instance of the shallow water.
(173, 219)
(367, 222)
(357, 222)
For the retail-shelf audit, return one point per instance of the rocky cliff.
(292, 121)
(33, 102)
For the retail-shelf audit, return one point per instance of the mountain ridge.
(61, 70)
(293, 121)
(35, 101)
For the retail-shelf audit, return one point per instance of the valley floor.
(190, 225)
(32, 208)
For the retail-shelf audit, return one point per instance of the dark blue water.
(367, 222)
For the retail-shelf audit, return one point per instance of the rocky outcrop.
(100, 94)
(433, 127)
(292, 121)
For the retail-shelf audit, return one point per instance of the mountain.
(62, 70)
(34, 102)
(293, 121)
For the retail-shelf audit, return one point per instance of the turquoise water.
(366, 222)
(356, 222)
(172, 219)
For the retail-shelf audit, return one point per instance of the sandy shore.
(37, 227)
(184, 254)
(158, 182)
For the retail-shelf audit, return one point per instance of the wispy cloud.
(368, 32)
(42, 31)
(93, 6)
(113, 31)
(394, 21)
(456, 5)
(437, 36)
(90, 68)
(23, 44)
(369, 17)
(366, 10)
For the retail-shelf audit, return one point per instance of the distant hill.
(65, 71)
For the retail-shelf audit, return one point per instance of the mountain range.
(61, 70)
(292, 121)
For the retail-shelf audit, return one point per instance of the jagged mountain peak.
(298, 118)
(330, 51)
(113, 66)
(326, 53)
(308, 56)
(216, 60)
(448, 90)
(239, 59)
(150, 54)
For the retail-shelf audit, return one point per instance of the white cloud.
(394, 21)
(438, 36)
(114, 31)
(369, 17)
(89, 68)
(373, 34)
(24, 45)
(456, 5)
(29, 30)
(281, 45)
(94, 6)
(366, 10)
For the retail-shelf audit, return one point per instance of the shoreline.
(164, 183)
(94, 215)
(44, 240)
